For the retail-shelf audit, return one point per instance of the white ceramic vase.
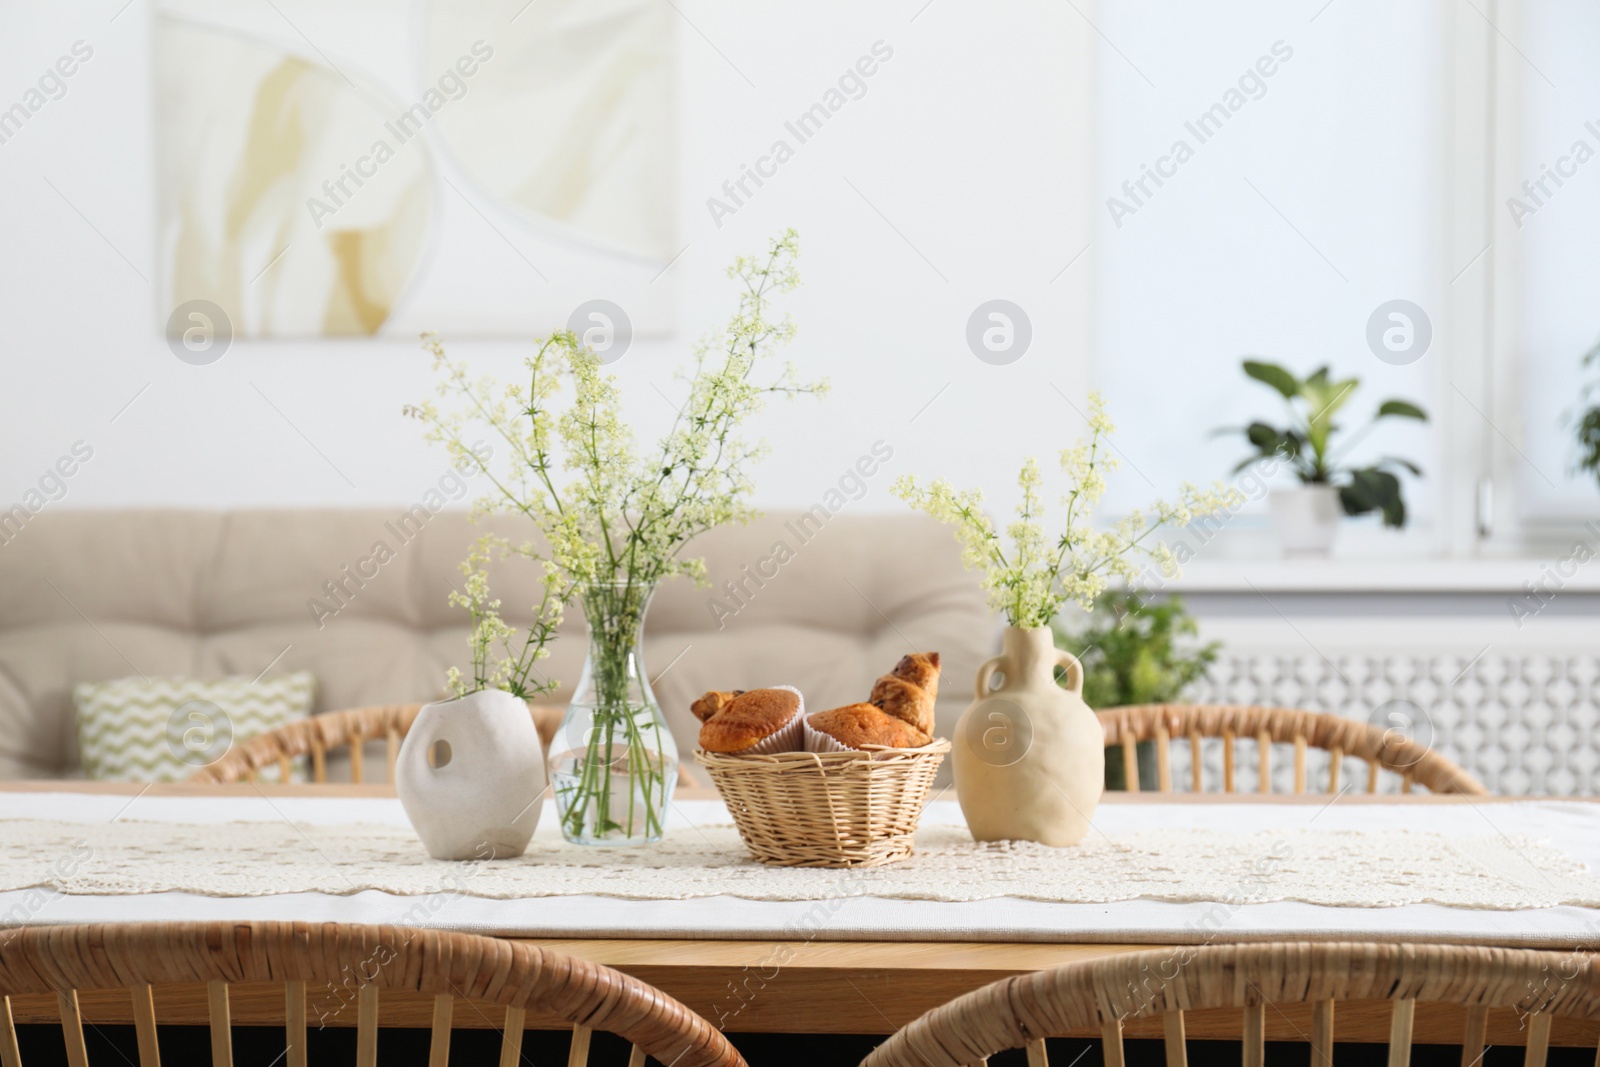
(471, 776)
(1305, 518)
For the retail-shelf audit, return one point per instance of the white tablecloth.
(1572, 827)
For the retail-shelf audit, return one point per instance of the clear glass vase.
(613, 763)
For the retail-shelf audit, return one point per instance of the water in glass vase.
(613, 763)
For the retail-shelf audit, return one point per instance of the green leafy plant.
(1589, 420)
(1136, 650)
(1307, 441)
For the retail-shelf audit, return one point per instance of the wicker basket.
(827, 809)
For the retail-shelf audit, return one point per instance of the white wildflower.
(1029, 578)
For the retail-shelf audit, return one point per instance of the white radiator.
(1518, 708)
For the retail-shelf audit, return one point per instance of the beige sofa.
(92, 595)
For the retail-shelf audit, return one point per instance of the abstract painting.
(378, 167)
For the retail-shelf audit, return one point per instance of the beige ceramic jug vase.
(1029, 757)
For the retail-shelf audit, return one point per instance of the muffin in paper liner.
(817, 741)
(787, 738)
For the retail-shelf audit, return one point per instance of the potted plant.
(1029, 756)
(1134, 651)
(612, 522)
(1306, 518)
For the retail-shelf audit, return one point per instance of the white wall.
(971, 142)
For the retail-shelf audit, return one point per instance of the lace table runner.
(1342, 868)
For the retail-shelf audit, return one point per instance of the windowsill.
(1245, 557)
(1359, 576)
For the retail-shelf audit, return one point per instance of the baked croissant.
(908, 691)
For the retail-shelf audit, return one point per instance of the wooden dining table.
(846, 981)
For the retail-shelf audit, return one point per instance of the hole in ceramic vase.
(997, 681)
(438, 754)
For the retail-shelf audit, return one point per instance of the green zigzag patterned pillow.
(164, 729)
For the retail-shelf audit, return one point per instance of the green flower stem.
(615, 613)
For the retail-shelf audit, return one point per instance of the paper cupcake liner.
(787, 738)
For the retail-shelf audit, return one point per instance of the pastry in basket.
(712, 703)
(908, 691)
(899, 714)
(857, 725)
(752, 722)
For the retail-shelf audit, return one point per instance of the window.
(1266, 181)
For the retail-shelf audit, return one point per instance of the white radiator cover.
(1519, 709)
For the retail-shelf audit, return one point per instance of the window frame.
(1487, 310)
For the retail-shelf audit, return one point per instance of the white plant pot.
(1306, 518)
(471, 776)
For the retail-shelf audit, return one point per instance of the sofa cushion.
(164, 729)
